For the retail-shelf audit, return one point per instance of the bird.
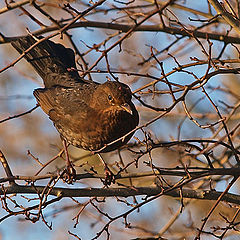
(87, 114)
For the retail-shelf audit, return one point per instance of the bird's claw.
(69, 174)
(109, 177)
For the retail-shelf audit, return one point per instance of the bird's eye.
(110, 98)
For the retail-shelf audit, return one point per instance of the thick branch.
(122, 192)
(13, 5)
(141, 28)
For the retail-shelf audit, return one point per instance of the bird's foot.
(109, 176)
(69, 174)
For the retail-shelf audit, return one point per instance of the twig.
(19, 115)
(6, 168)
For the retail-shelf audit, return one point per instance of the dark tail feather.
(52, 61)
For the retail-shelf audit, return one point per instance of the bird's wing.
(62, 103)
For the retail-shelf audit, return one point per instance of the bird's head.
(114, 96)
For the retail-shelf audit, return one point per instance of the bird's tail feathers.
(47, 58)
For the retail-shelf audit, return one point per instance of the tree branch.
(122, 192)
(126, 28)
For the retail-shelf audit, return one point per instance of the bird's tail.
(49, 59)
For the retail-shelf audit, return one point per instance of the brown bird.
(87, 114)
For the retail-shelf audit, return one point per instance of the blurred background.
(136, 62)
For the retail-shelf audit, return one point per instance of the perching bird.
(87, 114)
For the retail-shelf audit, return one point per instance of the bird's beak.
(126, 107)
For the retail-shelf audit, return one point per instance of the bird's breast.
(100, 129)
